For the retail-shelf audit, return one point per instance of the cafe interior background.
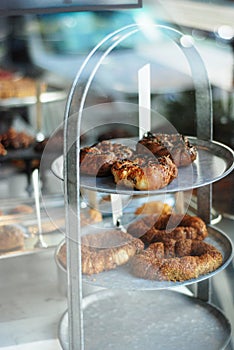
(50, 48)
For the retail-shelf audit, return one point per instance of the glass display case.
(122, 309)
(115, 309)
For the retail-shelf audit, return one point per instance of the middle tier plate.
(122, 278)
(214, 161)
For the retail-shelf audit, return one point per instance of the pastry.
(154, 207)
(153, 228)
(13, 139)
(21, 209)
(98, 159)
(176, 146)
(11, 238)
(104, 251)
(90, 216)
(172, 260)
(144, 172)
(13, 85)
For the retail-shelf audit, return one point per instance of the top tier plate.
(214, 162)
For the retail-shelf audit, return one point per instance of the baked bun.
(105, 251)
(176, 146)
(144, 172)
(173, 260)
(97, 160)
(11, 238)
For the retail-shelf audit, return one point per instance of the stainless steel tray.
(121, 277)
(52, 225)
(149, 320)
(214, 162)
(52, 95)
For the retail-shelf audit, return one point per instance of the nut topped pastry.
(173, 260)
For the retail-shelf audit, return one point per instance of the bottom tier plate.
(151, 320)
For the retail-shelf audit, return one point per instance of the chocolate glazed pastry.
(144, 172)
(176, 146)
(98, 159)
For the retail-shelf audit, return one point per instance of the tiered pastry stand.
(133, 313)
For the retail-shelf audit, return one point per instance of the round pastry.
(22, 209)
(11, 238)
(90, 216)
(105, 251)
(97, 160)
(14, 139)
(172, 260)
(154, 228)
(176, 146)
(144, 173)
(153, 208)
(14, 85)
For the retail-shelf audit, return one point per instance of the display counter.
(31, 304)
